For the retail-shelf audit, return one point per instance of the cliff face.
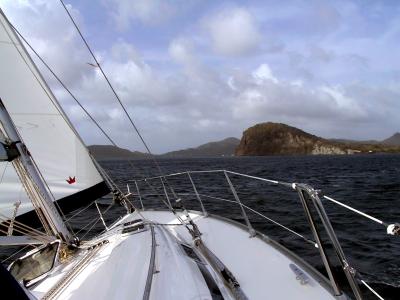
(280, 139)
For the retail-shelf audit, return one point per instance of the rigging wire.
(49, 95)
(54, 199)
(22, 225)
(42, 238)
(71, 94)
(15, 253)
(101, 170)
(82, 107)
(4, 172)
(80, 211)
(31, 189)
(94, 224)
(78, 102)
(35, 72)
(73, 97)
(112, 88)
(109, 180)
(118, 98)
(63, 85)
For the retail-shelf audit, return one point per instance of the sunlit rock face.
(325, 149)
(281, 139)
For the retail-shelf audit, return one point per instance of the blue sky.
(196, 71)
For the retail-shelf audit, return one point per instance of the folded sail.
(60, 154)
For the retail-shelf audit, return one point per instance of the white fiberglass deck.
(261, 270)
(119, 269)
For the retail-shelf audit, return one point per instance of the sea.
(370, 183)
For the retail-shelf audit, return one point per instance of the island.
(280, 139)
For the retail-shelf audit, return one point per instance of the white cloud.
(343, 101)
(45, 26)
(262, 73)
(124, 12)
(262, 99)
(181, 50)
(234, 32)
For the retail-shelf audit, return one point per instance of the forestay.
(60, 154)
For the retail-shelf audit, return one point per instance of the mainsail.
(59, 152)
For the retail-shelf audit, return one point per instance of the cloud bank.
(204, 72)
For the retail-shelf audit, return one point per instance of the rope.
(10, 228)
(31, 190)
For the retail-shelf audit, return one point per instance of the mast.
(31, 178)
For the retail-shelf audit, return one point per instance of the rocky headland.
(281, 139)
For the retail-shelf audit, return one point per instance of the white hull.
(119, 269)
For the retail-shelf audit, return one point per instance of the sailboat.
(166, 253)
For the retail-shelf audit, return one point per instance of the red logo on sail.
(71, 180)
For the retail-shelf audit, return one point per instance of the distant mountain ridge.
(111, 152)
(394, 140)
(224, 147)
(347, 141)
(262, 139)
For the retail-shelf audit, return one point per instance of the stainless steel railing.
(310, 200)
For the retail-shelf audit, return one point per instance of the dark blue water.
(370, 183)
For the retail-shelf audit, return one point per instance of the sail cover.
(57, 149)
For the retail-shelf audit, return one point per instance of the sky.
(191, 71)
